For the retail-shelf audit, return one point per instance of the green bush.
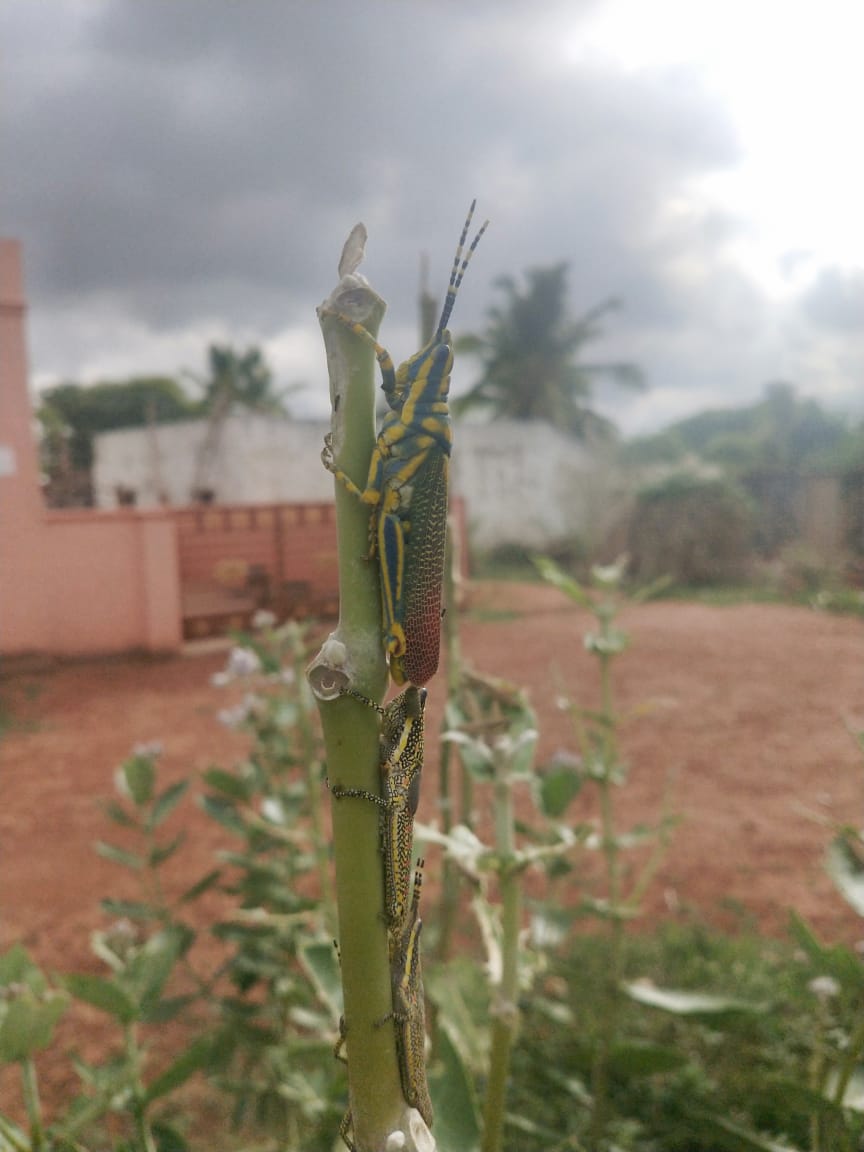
(692, 531)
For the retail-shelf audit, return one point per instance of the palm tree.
(234, 380)
(530, 354)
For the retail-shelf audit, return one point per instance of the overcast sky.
(181, 173)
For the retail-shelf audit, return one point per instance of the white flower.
(234, 717)
(243, 662)
(824, 987)
(263, 618)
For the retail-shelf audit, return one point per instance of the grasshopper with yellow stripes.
(408, 1015)
(407, 486)
(400, 764)
(409, 1007)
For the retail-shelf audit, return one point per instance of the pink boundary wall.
(72, 583)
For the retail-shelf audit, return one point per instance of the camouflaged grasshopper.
(408, 1016)
(407, 487)
(400, 764)
(409, 1008)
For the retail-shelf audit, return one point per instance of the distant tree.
(531, 354)
(782, 431)
(72, 414)
(238, 379)
(234, 380)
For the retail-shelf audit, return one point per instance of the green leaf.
(119, 855)
(636, 1059)
(16, 967)
(27, 1025)
(845, 866)
(461, 993)
(559, 784)
(119, 815)
(228, 783)
(166, 802)
(797, 1098)
(201, 886)
(134, 909)
(836, 960)
(196, 1056)
(853, 1094)
(168, 1138)
(321, 965)
(746, 1140)
(103, 994)
(165, 851)
(225, 813)
(140, 775)
(169, 1008)
(457, 1118)
(151, 967)
(690, 1003)
(553, 575)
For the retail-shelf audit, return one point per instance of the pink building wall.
(79, 582)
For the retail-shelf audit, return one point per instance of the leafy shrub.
(691, 530)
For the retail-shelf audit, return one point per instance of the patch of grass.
(845, 601)
(747, 1068)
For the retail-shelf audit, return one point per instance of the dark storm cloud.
(196, 166)
(210, 157)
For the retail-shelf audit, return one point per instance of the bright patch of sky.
(789, 75)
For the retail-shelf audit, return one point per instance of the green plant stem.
(350, 731)
(612, 979)
(133, 1058)
(30, 1088)
(506, 1009)
(156, 893)
(316, 806)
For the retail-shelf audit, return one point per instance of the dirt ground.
(745, 706)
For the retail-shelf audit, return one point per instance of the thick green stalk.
(353, 655)
(506, 1007)
(309, 744)
(612, 977)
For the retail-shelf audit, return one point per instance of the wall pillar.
(22, 519)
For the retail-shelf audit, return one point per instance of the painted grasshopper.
(408, 1016)
(407, 487)
(401, 765)
(409, 1008)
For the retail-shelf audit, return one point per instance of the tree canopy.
(532, 352)
(780, 431)
(72, 415)
(76, 413)
(238, 379)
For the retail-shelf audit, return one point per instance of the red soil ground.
(746, 707)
